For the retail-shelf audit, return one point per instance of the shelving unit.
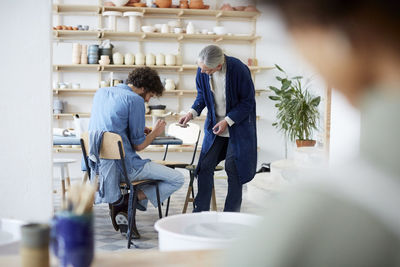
(100, 33)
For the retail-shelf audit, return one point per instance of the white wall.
(25, 136)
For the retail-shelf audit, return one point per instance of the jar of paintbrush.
(72, 231)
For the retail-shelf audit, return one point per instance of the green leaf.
(275, 98)
(279, 68)
(275, 124)
(273, 88)
(279, 78)
(286, 84)
(315, 102)
(297, 77)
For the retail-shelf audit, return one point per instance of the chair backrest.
(109, 149)
(189, 135)
(109, 146)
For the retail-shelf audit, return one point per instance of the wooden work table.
(148, 258)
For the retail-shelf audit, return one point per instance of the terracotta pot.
(139, 4)
(251, 8)
(184, 4)
(239, 8)
(196, 4)
(305, 143)
(226, 7)
(164, 3)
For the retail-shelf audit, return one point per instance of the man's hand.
(147, 130)
(185, 119)
(159, 127)
(220, 127)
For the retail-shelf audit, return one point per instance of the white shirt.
(218, 87)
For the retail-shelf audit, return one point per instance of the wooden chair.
(112, 148)
(189, 136)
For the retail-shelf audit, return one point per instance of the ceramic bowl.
(148, 28)
(220, 30)
(119, 2)
(178, 30)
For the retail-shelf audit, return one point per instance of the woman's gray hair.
(211, 56)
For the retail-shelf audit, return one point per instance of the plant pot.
(164, 3)
(305, 143)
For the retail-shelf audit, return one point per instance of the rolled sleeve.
(229, 121)
(194, 113)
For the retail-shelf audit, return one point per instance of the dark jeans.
(205, 177)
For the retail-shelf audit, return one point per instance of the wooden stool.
(190, 190)
(63, 164)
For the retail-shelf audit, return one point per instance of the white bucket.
(205, 230)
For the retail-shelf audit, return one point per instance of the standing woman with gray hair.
(225, 87)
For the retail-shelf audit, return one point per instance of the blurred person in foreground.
(348, 216)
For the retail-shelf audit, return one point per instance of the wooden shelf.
(166, 93)
(67, 9)
(97, 67)
(157, 12)
(153, 36)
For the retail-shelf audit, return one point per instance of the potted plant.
(298, 113)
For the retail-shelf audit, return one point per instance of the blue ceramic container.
(73, 239)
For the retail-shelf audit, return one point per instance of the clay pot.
(305, 143)
(164, 3)
(139, 4)
(239, 8)
(251, 8)
(184, 4)
(196, 4)
(226, 7)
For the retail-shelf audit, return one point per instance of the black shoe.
(265, 167)
(122, 221)
(120, 205)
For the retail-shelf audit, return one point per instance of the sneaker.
(122, 221)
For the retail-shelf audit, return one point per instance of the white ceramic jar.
(160, 59)
(169, 85)
(118, 59)
(150, 59)
(190, 28)
(164, 28)
(129, 59)
(170, 60)
(139, 59)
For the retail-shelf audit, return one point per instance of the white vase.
(150, 59)
(139, 59)
(170, 60)
(190, 28)
(129, 59)
(169, 85)
(118, 59)
(160, 60)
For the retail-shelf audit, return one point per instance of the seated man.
(121, 110)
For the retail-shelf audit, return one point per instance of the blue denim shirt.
(119, 110)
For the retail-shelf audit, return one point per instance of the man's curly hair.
(147, 78)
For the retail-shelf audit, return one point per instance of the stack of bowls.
(93, 54)
(84, 55)
(76, 53)
(106, 52)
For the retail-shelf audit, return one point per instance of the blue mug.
(73, 239)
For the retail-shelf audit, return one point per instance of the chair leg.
(62, 182)
(193, 195)
(166, 212)
(213, 200)
(68, 177)
(158, 201)
(190, 190)
(132, 219)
